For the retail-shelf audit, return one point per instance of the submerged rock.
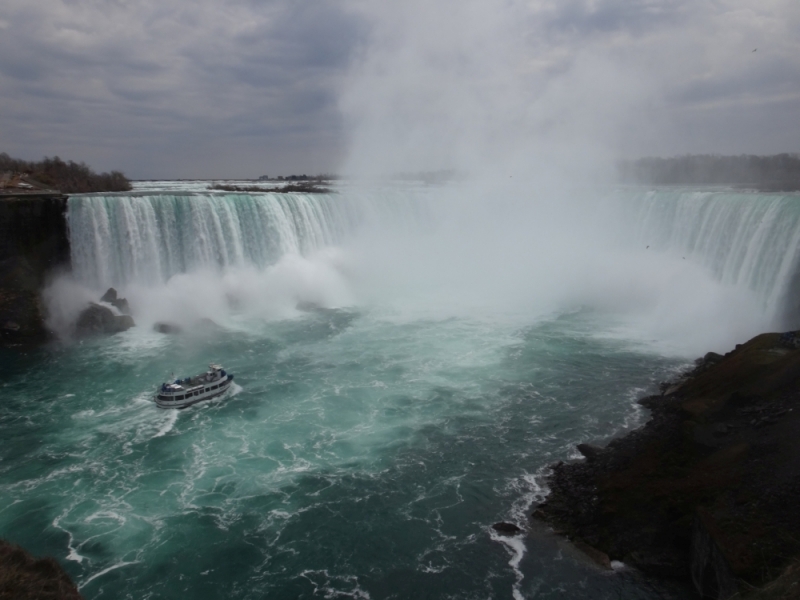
(168, 328)
(110, 296)
(206, 324)
(504, 528)
(98, 319)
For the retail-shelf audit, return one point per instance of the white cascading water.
(480, 335)
(742, 247)
(149, 238)
(746, 240)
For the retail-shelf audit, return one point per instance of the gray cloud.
(208, 89)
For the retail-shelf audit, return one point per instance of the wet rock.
(97, 319)
(597, 556)
(22, 316)
(722, 442)
(11, 326)
(168, 328)
(590, 451)
(206, 324)
(121, 304)
(504, 528)
(110, 296)
(659, 562)
(711, 573)
(720, 429)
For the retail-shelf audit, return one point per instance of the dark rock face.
(101, 320)
(168, 328)
(711, 573)
(589, 451)
(22, 318)
(121, 304)
(110, 296)
(706, 491)
(35, 228)
(33, 241)
(23, 577)
(504, 528)
(711, 358)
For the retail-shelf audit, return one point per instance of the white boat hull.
(188, 397)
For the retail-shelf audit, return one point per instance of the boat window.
(178, 397)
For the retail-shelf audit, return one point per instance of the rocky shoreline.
(705, 492)
(25, 577)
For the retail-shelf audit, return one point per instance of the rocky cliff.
(706, 491)
(24, 577)
(33, 242)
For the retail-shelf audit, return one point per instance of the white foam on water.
(107, 570)
(515, 545)
(169, 422)
(73, 553)
(327, 586)
(105, 515)
(529, 489)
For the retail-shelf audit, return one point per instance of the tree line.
(779, 171)
(68, 177)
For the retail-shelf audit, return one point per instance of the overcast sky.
(237, 88)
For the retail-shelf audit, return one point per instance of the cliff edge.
(706, 491)
(33, 242)
(24, 577)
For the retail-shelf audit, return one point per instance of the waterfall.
(148, 238)
(743, 239)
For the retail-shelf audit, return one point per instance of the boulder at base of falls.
(98, 319)
(168, 328)
(121, 304)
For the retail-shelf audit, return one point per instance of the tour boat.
(185, 392)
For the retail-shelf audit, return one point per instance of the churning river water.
(371, 440)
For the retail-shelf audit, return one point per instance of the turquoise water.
(463, 341)
(364, 454)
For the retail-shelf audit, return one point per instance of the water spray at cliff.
(692, 269)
